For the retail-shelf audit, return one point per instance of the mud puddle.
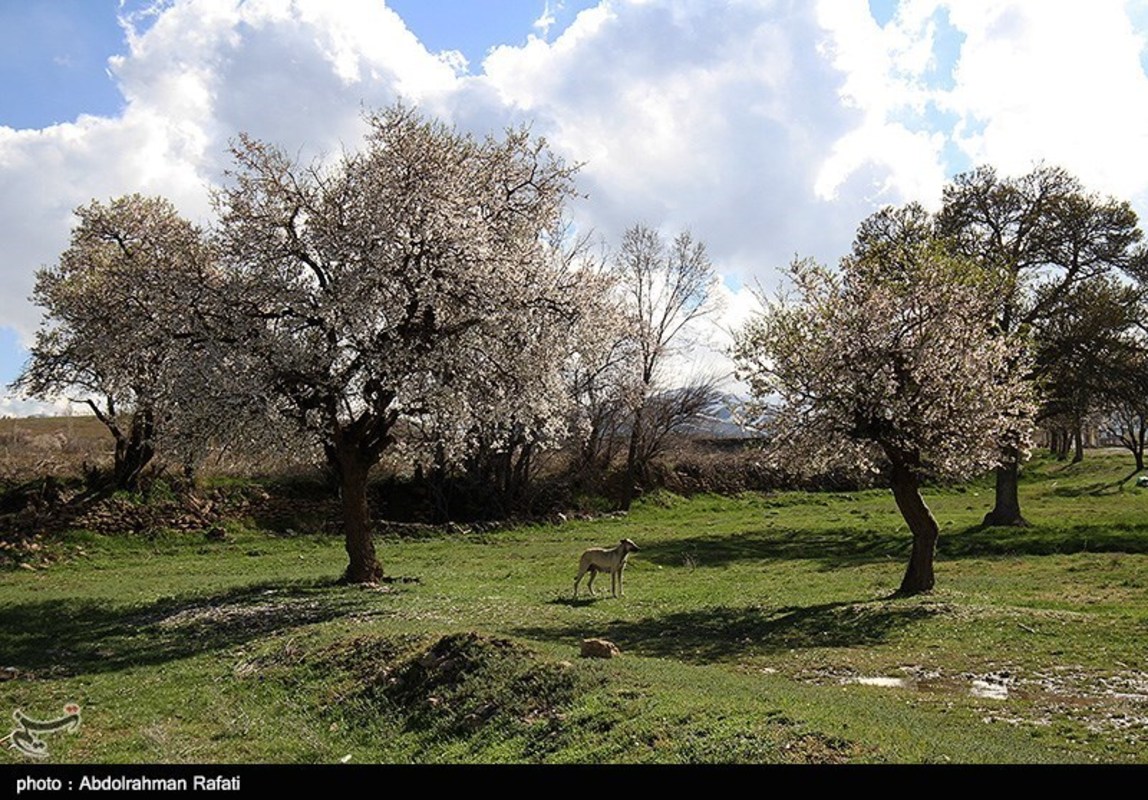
(1114, 702)
(991, 690)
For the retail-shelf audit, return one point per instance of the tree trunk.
(134, 451)
(1137, 431)
(353, 470)
(521, 472)
(907, 492)
(630, 486)
(1061, 444)
(1078, 443)
(1006, 512)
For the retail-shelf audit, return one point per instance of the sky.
(768, 128)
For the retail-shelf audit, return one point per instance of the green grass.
(747, 625)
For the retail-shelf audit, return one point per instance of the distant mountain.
(722, 421)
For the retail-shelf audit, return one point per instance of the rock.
(599, 648)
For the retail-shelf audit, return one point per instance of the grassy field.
(754, 629)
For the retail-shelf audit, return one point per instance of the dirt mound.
(462, 684)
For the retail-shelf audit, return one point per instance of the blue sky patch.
(882, 11)
(54, 57)
(946, 52)
(12, 357)
(474, 27)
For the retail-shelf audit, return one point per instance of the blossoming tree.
(121, 323)
(890, 363)
(387, 286)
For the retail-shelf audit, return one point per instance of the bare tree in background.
(677, 411)
(667, 287)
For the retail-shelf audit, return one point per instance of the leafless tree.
(667, 288)
(677, 411)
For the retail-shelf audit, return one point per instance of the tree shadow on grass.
(73, 637)
(1039, 540)
(846, 547)
(724, 633)
(833, 547)
(1097, 489)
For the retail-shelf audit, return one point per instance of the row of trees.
(419, 297)
(422, 298)
(1055, 245)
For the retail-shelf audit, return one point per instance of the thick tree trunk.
(353, 470)
(907, 492)
(1006, 512)
(1078, 443)
(134, 451)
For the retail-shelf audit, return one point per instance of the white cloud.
(1056, 81)
(766, 127)
(16, 407)
(546, 20)
(298, 75)
(684, 117)
(884, 69)
(688, 118)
